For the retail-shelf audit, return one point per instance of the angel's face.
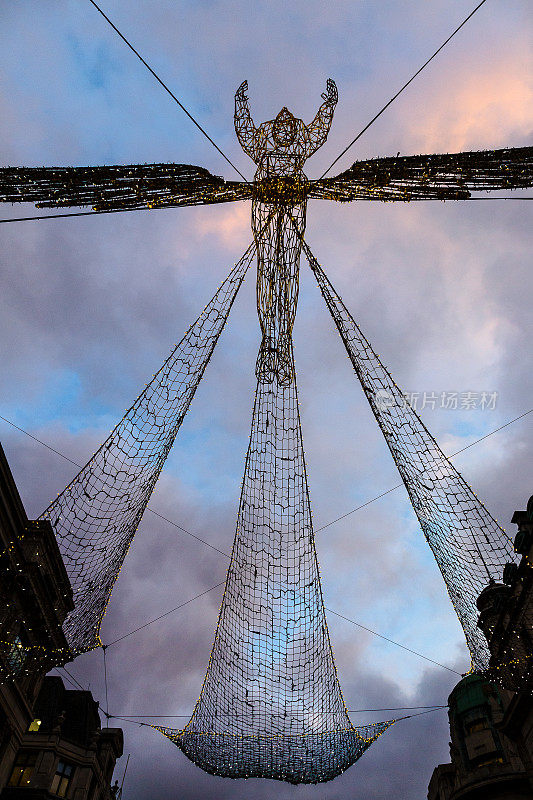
(284, 129)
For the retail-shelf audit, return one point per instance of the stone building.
(65, 752)
(51, 740)
(506, 612)
(491, 723)
(485, 763)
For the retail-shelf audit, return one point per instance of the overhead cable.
(398, 93)
(124, 210)
(165, 87)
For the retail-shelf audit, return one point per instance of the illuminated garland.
(18, 659)
(35, 596)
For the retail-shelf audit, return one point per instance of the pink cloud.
(231, 225)
(491, 107)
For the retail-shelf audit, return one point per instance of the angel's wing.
(448, 176)
(118, 187)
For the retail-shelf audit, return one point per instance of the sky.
(89, 308)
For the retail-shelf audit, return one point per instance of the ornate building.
(491, 723)
(51, 741)
(485, 764)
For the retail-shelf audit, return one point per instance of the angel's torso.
(274, 160)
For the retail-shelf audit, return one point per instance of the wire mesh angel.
(279, 148)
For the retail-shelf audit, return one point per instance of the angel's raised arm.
(245, 129)
(319, 128)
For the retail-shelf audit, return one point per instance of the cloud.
(232, 228)
(490, 107)
(90, 307)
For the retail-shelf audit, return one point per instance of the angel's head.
(284, 129)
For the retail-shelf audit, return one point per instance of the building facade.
(51, 741)
(485, 762)
(65, 752)
(506, 612)
(491, 722)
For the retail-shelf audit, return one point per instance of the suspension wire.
(31, 436)
(402, 89)
(166, 612)
(151, 510)
(168, 208)
(410, 716)
(399, 485)
(352, 711)
(165, 87)
(392, 641)
(399, 719)
(76, 681)
(68, 681)
(470, 199)
(104, 648)
(175, 524)
(327, 525)
(216, 586)
(81, 214)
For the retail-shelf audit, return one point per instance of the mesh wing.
(95, 518)
(446, 176)
(271, 705)
(118, 187)
(469, 546)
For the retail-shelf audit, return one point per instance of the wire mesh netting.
(118, 187)
(314, 757)
(436, 176)
(271, 705)
(470, 548)
(96, 516)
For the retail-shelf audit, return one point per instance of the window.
(23, 769)
(489, 761)
(16, 655)
(478, 725)
(61, 780)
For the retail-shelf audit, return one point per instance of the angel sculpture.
(271, 703)
(280, 149)
(279, 194)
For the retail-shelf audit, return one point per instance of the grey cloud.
(441, 290)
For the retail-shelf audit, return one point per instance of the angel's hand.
(331, 94)
(240, 94)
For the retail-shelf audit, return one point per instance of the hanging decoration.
(271, 703)
(95, 518)
(470, 548)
